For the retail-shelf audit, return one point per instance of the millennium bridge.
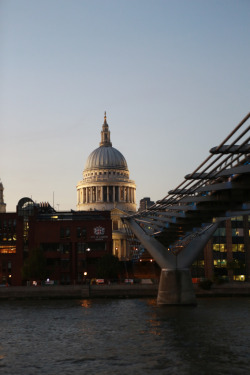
(176, 229)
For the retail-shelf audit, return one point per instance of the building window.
(7, 249)
(50, 246)
(221, 263)
(61, 232)
(238, 247)
(65, 248)
(219, 247)
(80, 247)
(239, 232)
(81, 232)
(115, 225)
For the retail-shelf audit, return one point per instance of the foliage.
(108, 267)
(34, 267)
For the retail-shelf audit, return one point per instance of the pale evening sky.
(173, 76)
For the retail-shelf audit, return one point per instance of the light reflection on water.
(126, 336)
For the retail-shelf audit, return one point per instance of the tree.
(34, 267)
(108, 267)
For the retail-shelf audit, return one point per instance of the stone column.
(119, 194)
(88, 190)
(107, 193)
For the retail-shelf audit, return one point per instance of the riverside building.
(72, 242)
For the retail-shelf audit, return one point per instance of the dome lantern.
(105, 134)
(105, 156)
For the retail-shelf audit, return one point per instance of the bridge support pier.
(176, 288)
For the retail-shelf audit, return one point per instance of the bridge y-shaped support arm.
(175, 287)
(163, 257)
(190, 253)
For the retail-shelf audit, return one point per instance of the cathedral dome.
(106, 184)
(106, 156)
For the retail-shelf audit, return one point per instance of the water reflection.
(124, 336)
(86, 303)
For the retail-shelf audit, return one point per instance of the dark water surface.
(124, 336)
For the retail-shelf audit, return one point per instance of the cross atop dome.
(105, 133)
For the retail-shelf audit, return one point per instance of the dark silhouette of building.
(145, 203)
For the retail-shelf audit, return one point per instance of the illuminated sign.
(99, 231)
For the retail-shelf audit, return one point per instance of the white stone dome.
(106, 158)
(106, 182)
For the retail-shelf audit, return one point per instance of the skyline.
(172, 76)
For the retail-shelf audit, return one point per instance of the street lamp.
(86, 262)
(85, 273)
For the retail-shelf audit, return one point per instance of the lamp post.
(85, 273)
(86, 262)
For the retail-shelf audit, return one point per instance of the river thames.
(124, 336)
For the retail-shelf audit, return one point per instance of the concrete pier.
(176, 288)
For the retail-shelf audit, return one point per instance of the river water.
(124, 336)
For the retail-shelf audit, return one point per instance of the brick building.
(72, 242)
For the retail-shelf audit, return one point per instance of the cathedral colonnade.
(109, 193)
